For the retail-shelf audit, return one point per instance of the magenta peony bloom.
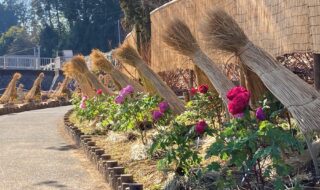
(164, 106)
(83, 105)
(203, 88)
(156, 115)
(200, 127)
(238, 100)
(120, 99)
(236, 91)
(127, 90)
(193, 91)
(99, 92)
(260, 114)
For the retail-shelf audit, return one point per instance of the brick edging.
(31, 106)
(110, 170)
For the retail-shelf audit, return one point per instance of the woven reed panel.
(278, 26)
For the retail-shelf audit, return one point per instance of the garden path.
(35, 154)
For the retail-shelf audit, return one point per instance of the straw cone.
(35, 91)
(99, 62)
(301, 99)
(130, 56)
(63, 88)
(179, 37)
(10, 94)
(85, 86)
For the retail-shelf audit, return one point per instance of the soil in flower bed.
(128, 151)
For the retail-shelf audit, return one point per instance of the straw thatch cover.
(130, 56)
(179, 37)
(62, 90)
(301, 99)
(100, 62)
(35, 91)
(277, 26)
(11, 91)
(78, 69)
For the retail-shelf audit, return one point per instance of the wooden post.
(316, 58)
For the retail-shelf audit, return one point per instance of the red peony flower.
(235, 91)
(200, 127)
(193, 91)
(99, 92)
(203, 88)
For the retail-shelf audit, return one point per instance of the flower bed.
(249, 148)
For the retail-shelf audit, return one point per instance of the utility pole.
(119, 32)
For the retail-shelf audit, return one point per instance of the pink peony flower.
(120, 99)
(193, 91)
(163, 106)
(156, 115)
(203, 88)
(200, 127)
(83, 105)
(260, 114)
(99, 92)
(127, 90)
(84, 98)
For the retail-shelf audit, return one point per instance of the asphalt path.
(36, 154)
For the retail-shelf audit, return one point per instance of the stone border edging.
(32, 106)
(111, 171)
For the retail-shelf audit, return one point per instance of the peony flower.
(236, 91)
(83, 105)
(127, 90)
(84, 98)
(203, 88)
(238, 104)
(238, 100)
(119, 99)
(163, 106)
(201, 127)
(193, 91)
(99, 92)
(156, 115)
(260, 114)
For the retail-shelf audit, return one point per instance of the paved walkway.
(35, 154)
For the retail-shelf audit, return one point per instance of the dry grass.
(10, 94)
(35, 91)
(116, 144)
(228, 34)
(99, 62)
(130, 56)
(179, 37)
(144, 171)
